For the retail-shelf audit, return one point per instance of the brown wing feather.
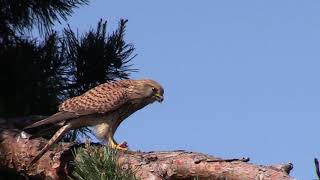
(60, 116)
(101, 99)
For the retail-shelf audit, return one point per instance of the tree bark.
(17, 150)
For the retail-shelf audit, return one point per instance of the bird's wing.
(101, 99)
(60, 116)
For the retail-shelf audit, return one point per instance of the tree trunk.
(17, 150)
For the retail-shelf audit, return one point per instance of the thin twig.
(316, 162)
(244, 159)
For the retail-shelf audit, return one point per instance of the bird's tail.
(56, 137)
(47, 131)
(60, 116)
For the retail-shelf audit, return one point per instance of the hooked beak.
(158, 97)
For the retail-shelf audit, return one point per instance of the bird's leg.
(113, 144)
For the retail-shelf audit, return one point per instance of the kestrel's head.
(147, 89)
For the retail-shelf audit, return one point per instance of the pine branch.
(17, 151)
(96, 57)
(23, 15)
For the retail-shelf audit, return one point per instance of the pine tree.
(37, 74)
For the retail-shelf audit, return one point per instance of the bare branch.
(17, 150)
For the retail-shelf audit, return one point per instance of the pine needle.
(99, 163)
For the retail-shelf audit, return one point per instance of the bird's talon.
(123, 145)
(121, 148)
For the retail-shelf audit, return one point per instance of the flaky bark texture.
(16, 152)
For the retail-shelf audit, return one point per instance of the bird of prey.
(104, 106)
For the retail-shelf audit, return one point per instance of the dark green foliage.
(24, 14)
(29, 76)
(77, 134)
(99, 163)
(37, 75)
(96, 57)
(30, 70)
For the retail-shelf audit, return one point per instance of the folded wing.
(101, 99)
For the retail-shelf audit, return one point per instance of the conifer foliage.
(37, 74)
(97, 163)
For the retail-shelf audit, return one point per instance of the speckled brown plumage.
(97, 100)
(104, 106)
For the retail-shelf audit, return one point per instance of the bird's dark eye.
(154, 89)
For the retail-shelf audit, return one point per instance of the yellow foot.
(122, 147)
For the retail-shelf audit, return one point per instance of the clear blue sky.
(241, 78)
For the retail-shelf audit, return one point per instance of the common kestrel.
(104, 106)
